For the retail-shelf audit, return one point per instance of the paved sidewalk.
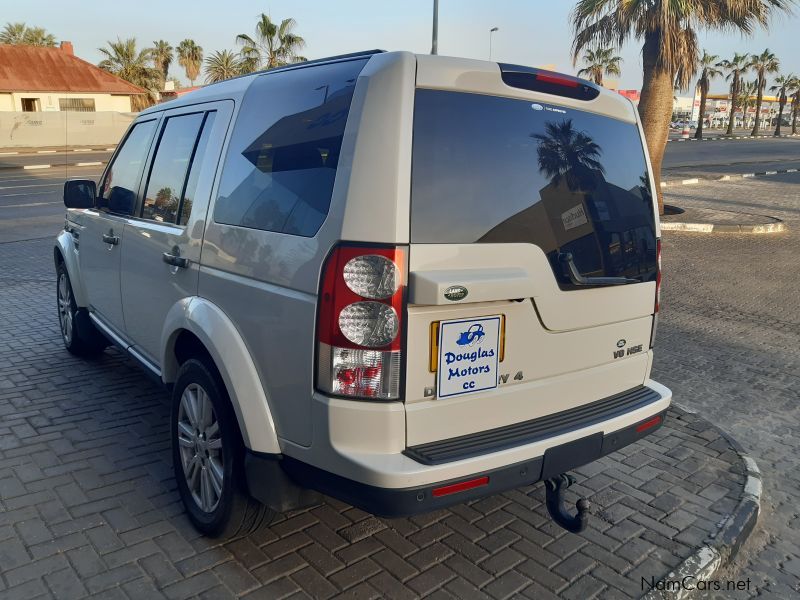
(729, 347)
(88, 505)
(710, 220)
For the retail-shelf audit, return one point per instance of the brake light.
(360, 323)
(556, 80)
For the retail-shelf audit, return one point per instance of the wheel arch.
(65, 251)
(195, 326)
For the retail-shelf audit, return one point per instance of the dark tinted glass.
(118, 191)
(194, 170)
(171, 163)
(282, 159)
(490, 169)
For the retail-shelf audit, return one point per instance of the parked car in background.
(402, 280)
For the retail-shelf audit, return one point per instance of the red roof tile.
(38, 69)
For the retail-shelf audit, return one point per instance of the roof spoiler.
(548, 82)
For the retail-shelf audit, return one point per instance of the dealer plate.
(468, 356)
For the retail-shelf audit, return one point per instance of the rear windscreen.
(499, 170)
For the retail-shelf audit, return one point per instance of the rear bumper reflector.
(648, 424)
(460, 487)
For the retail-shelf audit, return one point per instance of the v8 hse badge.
(468, 356)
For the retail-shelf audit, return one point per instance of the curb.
(775, 227)
(696, 180)
(723, 545)
(734, 137)
(48, 166)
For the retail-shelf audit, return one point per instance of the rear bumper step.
(519, 434)
(398, 502)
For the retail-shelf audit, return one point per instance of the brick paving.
(729, 347)
(88, 506)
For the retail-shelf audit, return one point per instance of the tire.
(79, 335)
(208, 455)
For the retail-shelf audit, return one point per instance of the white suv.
(405, 281)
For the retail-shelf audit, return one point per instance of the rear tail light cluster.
(360, 326)
(658, 294)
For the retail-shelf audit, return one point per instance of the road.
(31, 201)
(730, 156)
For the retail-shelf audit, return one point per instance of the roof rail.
(306, 63)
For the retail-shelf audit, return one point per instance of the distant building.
(632, 95)
(38, 79)
(170, 93)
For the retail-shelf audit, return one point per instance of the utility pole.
(435, 44)
(491, 31)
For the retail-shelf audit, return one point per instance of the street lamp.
(491, 31)
(435, 41)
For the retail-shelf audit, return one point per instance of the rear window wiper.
(576, 278)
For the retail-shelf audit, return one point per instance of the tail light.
(657, 305)
(360, 327)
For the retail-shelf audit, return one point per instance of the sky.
(531, 32)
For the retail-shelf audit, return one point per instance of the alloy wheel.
(65, 308)
(201, 447)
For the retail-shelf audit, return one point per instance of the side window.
(118, 190)
(170, 166)
(284, 150)
(194, 170)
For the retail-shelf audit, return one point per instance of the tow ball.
(554, 491)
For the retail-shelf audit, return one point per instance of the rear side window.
(119, 188)
(492, 170)
(171, 163)
(176, 166)
(284, 150)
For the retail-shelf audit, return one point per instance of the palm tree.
(21, 34)
(565, 152)
(162, 57)
(736, 68)
(600, 61)
(274, 45)
(708, 71)
(222, 65)
(190, 57)
(747, 97)
(667, 29)
(123, 60)
(763, 63)
(783, 85)
(795, 85)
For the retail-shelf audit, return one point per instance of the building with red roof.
(35, 78)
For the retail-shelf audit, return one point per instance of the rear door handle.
(577, 278)
(109, 238)
(175, 260)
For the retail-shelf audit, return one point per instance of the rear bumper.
(405, 501)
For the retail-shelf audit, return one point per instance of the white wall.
(41, 129)
(48, 101)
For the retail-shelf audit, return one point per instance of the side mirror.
(79, 193)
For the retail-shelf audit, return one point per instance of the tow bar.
(554, 491)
